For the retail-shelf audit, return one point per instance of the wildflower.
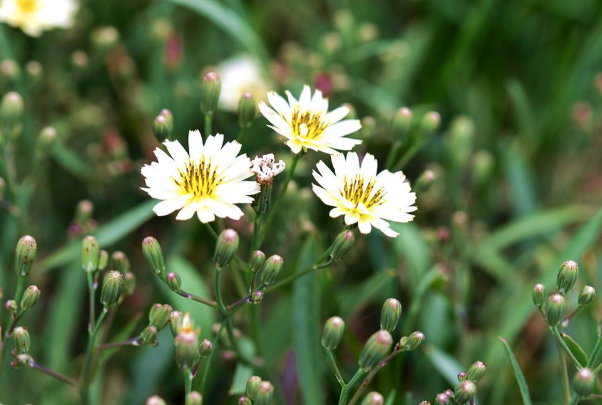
(266, 168)
(240, 75)
(208, 182)
(307, 124)
(35, 16)
(583, 382)
(363, 196)
(333, 333)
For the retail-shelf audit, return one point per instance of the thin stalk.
(128, 342)
(19, 289)
(187, 382)
(241, 135)
(595, 353)
(573, 314)
(574, 400)
(563, 345)
(348, 387)
(335, 368)
(210, 358)
(564, 374)
(86, 370)
(91, 301)
(193, 297)
(299, 274)
(53, 374)
(392, 156)
(373, 372)
(208, 124)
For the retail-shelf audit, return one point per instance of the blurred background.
(515, 183)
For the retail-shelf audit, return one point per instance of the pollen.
(308, 124)
(199, 178)
(359, 190)
(27, 6)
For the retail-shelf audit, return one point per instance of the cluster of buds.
(466, 388)
(189, 351)
(265, 168)
(258, 392)
(163, 125)
(83, 221)
(158, 318)
(21, 342)
(268, 269)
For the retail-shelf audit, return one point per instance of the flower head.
(240, 75)
(35, 16)
(209, 181)
(307, 124)
(364, 197)
(266, 168)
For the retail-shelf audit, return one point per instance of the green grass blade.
(520, 378)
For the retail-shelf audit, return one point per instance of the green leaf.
(107, 235)
(125, 333)
(577, 351)
(521, 182)
(446, 365)
(239, 383)
(411, 247)
(72, 162)
(520, 378)
(306, 338)
(354, 298)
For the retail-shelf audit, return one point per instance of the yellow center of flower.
(199, 178)
(27, 6)
(308, 124)
(358, 190)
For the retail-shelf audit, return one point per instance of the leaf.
(413, 249)
(577, 351)
(306, 316)
(521, 182)
(446, 365)
(107, 235)
(239, 382)
(72, 162)
(354, 298)
(125, 333)
(520, 378)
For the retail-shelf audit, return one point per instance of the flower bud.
(247, 110)
(402, 120)
(430, 123)
(567, 276)
(271, 269)
(90, 254)
(159, 316)
(112, 287)
(153, 254)
(462, 376)
(226, 247)
(425, 403)
(587, 295)
(245, 400)
(205, 349)
(187, 349)
(194, 398)
(256, 261)
(120, 262)
(174, 282)
(210, 89)
(342, 244)
(161, 128)
(426, 179)
(476, 371)
(155, 400)
(103, 260)
(21, 360)
(11, 306)
(539, 295)
(149, 335)
(46, 138)
(373, 398)
(175, 319)
(583, 383)
(21, 339)
(555, 309)
(256, 297)
(11, 108)
(333, 333)
(265, 394)
(24, 255)
(253, 387)
(30, 297)
(84, 211)
(443, 399)
(465, 391)
(129, 283)
(390, 314)
(376, 349)
(412, 342)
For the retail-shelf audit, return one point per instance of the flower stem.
(129, 342)
(92, 302)
(564, 375)
(187, 382)
(4, 343)
(595, 353)
(298, 274)
(348, 387)
(563, 346)
(193, 297)
(372, 373)
(53, 374)
(333, 364)
(574, 400)
(84, 386)
(208, 124)
(210, 358)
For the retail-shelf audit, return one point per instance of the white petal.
(364, 226)
(168, 206)
(187, 211)
(280, 105)
(337, 114)
(369, 166)
(195, 145)
(213, 145)
(177, 152)
(305, 98)
(342, 128)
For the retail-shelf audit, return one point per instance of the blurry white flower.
(240, 75)
(363, 196)
(208, 182)
(266, 168)
(307, 124)
(35, 16)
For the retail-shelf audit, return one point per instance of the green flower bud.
(430, 123)
(333, 333)
(34, 69)
(30, 297)
(194, 398)
(342, 244)
(11, 306)
(425, 403)
(256, 261)
(174, 282)
(271, 269)
(465, 391)
(11, 108)
(46, 138)
(226, 247)
(424, 182)
(244, 400)
(587, 295)
(376, 349)
(390, 314)
(483, 167)
(105, 37)
(187, 349)
(10, 69)
(462, 376)
(149, 335)
(265, 394)
(24, 255)
(210, 90)
(120, 262)
(256, 297)
(555, 309)
(253, 387)
(539, 295)
(155, 400)
(373, 398)
(461, 139)
(161, 128)
(21, 360)
(112, 287)
(103, 260)
(567, 276)
(412, 342)
(247, 110)
(175, 319)
(159, 315)
(90, 254)
(129, 283)
(476, 371)
(401, 123)
(583, 383)
(21, 339)
(205, 349)
(153, 254)
(444, 399)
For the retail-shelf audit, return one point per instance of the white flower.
(363, 196)
(35, 16)
(239, 75)
(266, 168)
(307, 124)
(208, 182)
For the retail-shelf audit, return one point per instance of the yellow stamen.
(199, 178)
(358, 190)
(27, 6)
(308, 124)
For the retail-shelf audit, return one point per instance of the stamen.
(308, 124)
(359, 191)
(199, 178)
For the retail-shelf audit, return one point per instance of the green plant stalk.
(392, 156)
(19, 289)
(335, 368)
(564, 375)
(187, 382)
(18, 292)
(208, 124)
(54, 374)
(84, 383)
(241, 135)
(563, 346)
(210, 358)
(91, 301)
(373, 372)
(299, 274)
(595, 353)
(348, 387)
(574, 400)
(128, 342)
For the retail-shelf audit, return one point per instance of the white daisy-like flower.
(307, 124)
(209, 181)
(363, 196)
(36, 16)
(266, 168)
(238, 76)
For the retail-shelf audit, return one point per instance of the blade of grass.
(520, 378)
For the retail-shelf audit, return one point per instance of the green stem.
(19, 289)
(562, 344)
(392, 156)
(574, 400)
(208, 124)
(372, 373)
(348, 387)
(333, 364)
(298, 274)
(564, 375)
(241, 135)
(53, 374)
(84, 383)
(595, 353)
(208, 363)
(187, 382)
(92, 301)
(4, 342)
